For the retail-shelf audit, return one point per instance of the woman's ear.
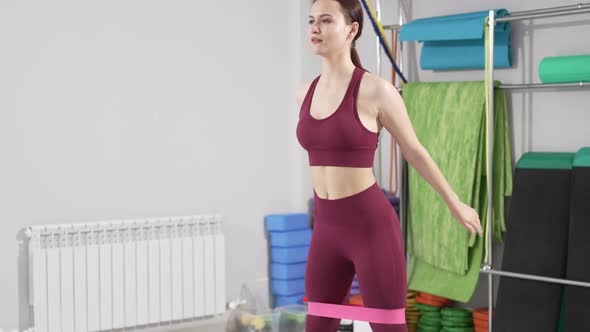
(354, 27)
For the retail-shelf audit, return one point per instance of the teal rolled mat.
(450, 27)
(457, 41)
(565, 69)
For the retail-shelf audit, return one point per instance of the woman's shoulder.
(301, 91)
(373, 86)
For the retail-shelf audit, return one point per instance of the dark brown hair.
(353, 12)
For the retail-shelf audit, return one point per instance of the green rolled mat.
(434, 326)
(429, 321)
(429, 324)
(434, 314)
(456, 323)
(458, 319)
(456, 312)
(457, 329)
(426, 328)
(565, 69)
(427, 308)
(432, 317)
(449, 323)
(429, 327)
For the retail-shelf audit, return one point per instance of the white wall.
(133, 109)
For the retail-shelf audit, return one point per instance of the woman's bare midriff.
(334, 182)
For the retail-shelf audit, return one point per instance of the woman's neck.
(336, 70)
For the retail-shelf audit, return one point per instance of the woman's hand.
(467, 216)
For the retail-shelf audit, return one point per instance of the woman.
(356, 230)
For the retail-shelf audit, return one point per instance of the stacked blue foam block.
(289, 238)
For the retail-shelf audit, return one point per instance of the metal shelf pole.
(537, 277)
(548, 13)
(392, 27)
(545, 85)
(551, 9)
(490, 222)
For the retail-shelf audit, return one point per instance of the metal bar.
(489, 271)
(403, 204)
(377, 44)
(529, 14)
(400, 48)
(545, 14)
(551, 9)
(401, 160)
(392, 27)
(491, 24)
(378, 51)
(545, 85)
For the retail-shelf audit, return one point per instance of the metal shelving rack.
(523, 15)
(515, 16)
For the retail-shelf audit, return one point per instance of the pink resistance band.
(357, 312)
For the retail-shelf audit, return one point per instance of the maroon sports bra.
(339, 139)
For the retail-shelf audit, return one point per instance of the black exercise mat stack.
(535, 243)
(576, 316)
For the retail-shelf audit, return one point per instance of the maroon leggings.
(358, 233)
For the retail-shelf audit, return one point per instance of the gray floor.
(214, 324)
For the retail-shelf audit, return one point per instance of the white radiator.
(123, 274)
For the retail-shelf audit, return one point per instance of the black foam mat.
(535, 243)
(576, 316)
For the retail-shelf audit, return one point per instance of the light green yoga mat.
(450, 119)
(565, 69)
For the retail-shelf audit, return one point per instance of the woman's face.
(328, 31)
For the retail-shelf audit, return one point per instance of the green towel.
(447, 118)
(450, 121)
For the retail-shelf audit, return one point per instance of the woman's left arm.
(394, 117)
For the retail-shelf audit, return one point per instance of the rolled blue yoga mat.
(457, 41)
(450, 27)
(465, 54)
